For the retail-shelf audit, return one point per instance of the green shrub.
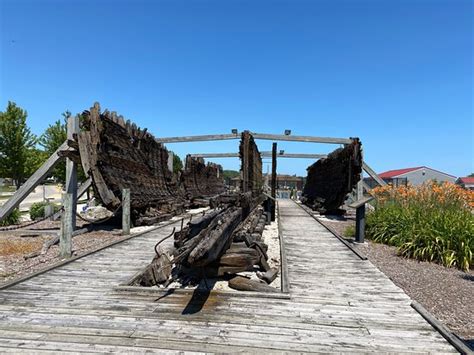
(37, 210)
(349, 232)
(13, 218)
(429, 223)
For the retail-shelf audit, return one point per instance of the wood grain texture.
(338, 303)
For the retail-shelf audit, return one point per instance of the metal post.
(71, 169)
(360, 224)
(274, 180)
(126, 211)
(65, 238)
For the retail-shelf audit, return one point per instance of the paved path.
(338, 303)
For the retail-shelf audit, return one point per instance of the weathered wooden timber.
(251, 165)
(201, 181)
(330, 179)
(117, 155)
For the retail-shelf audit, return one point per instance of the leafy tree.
(34, 159)
(230, 174)
(15, 141)
(471, 175)
(51, 140)
(55, 135)
(177, 164)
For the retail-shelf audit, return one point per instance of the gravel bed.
(14, 265)
(447, 293)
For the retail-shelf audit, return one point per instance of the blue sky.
(397, 74)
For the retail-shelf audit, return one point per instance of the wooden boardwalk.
(338, 303)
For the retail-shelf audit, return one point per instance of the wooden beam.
(67, 228)
(265, 154)
(373, 174)
(125, 211)
(306, 139)
(274, 180)
(296, 155)
(80, 191)
(34, 180)
(71, 169)
(215, 155)
(209, 137)
(366, 187)
(273, 137)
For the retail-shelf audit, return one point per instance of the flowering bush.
(432, 222)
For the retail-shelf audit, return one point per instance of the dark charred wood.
(216, 242)
(330, 179)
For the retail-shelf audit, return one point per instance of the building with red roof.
(414, 176)
(466, 182)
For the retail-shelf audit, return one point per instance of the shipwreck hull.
(201, 181)
(117, 155)
(330, 179)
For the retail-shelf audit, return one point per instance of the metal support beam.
(373, 174)
(30, 184)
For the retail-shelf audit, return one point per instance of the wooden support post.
(126, 211)
(71, 168)
(65, 239)
(48, 211)
(274, 180)
(360, 189)
(170, 161)
(245, 161)
(373, 174)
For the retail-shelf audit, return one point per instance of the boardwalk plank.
(338, 303)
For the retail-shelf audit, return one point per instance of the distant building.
(414, 176)
(466, 182)
(284, 182)
(289, 182)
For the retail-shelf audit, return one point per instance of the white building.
(415, 176)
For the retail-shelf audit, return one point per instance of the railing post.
(274, 180)
(360, 224)
(65, 238)
(126, 211)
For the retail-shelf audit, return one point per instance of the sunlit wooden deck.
(338, 303)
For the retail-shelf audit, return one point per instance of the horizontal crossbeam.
(273, 137)
(263, 154)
